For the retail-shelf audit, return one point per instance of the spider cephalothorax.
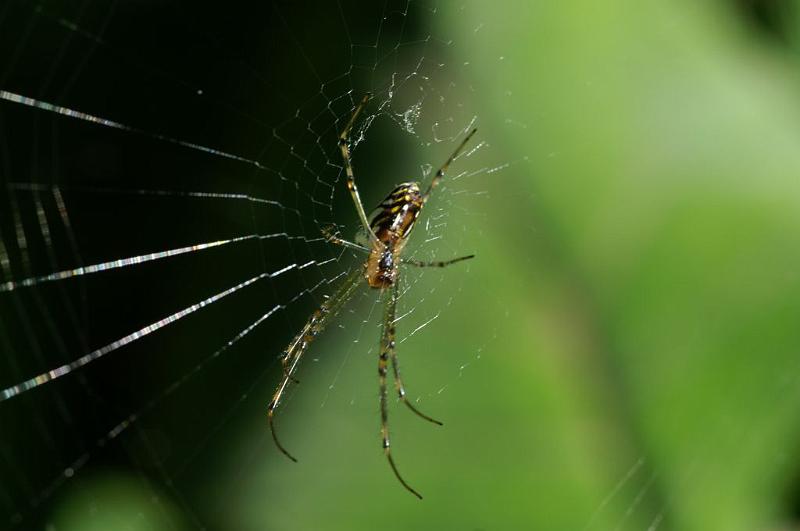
(387, 233)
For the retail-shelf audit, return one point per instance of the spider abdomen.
(392, 225)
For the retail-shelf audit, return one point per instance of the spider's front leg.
(315, 325)
(438, 263)
(388, 349)
(332, 235)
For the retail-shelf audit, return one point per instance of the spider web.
(168, 169)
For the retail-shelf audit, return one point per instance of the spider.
(388, 233)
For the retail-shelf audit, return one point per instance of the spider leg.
(333, 238)
(315, 325)
(387, 346)
(417, 263)
(398, 380)
(285, 360)
(440, 171)
(344, 146)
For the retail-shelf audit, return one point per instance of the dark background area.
(245, 78)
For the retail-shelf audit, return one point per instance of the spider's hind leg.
(344, 146)
(441, 171)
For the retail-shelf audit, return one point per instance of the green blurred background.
(622, 354)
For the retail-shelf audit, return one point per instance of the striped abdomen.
(392, 225)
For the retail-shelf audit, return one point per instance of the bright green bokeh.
(636, 296)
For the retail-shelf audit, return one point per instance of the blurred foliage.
(639, 272)
(114, 502)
